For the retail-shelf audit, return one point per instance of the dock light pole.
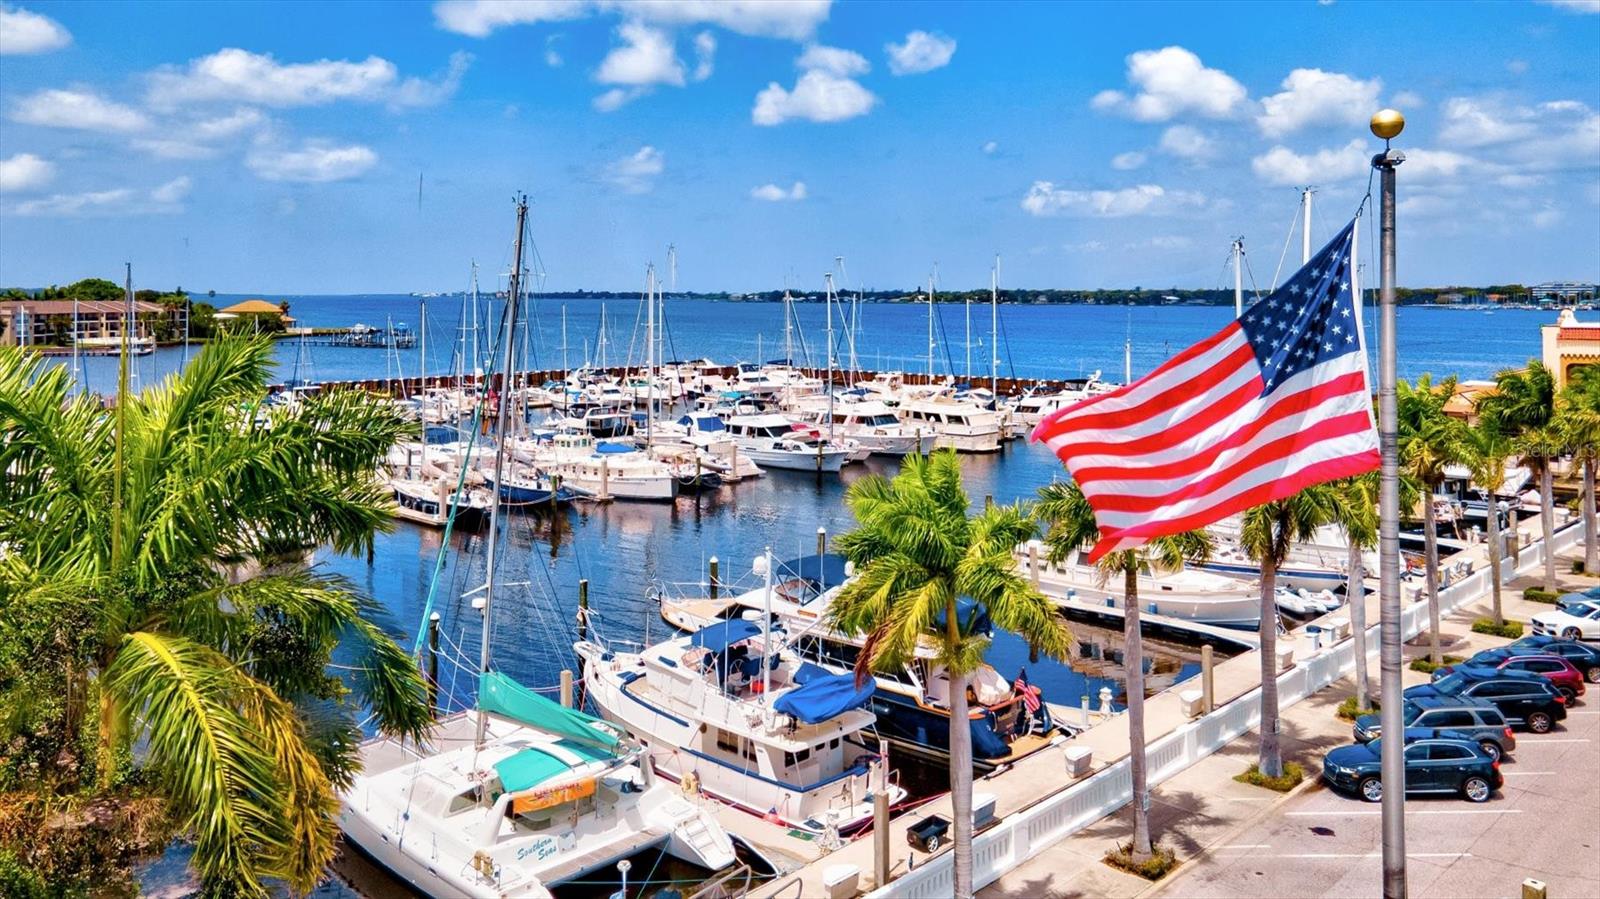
(1388, 124)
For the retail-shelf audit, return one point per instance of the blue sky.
(277, 147)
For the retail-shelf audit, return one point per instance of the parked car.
(1433, 765)
(1580, 621)
(1447, 716)
(1525, 701)
(1567, 678)
(1583, 657)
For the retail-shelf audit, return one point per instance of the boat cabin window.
(733, 744)
(790, 759)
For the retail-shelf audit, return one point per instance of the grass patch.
(1155, 867)
(1510, 630)
(1539, 594)
(1351, 709)
(1426, 666)
(1293, 773)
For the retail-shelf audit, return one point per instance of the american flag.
(1029, 693)
(1271, 404)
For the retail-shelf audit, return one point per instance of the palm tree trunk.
(1547, 521)
(1355, 592)
(1271, 759)
(1591, 546)
(1494, 556)
(105, 759)
(960, 767)
(1511, 528)
(1430, 533)
(1133, 664)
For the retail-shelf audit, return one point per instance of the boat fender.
(690, 784)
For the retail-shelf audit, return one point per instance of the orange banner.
(535, 800)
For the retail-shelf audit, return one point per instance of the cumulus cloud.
(789, 19)
(1187, 142)
(1408, 100)
(645, 57)
(772, 193)
(1315, 97)
(1484, 121)
(23, 33)
(166, 199)
(1589, 7)
(238, 75)
(834, 61)
(79, 109)
(1127, 161)
(312, 161)
(1046, 199)
(616, 98)
(1172, 81)
(920, 52)
(705, 51)
(552, 56)
(991, 147)
(25, 171)
(818, 96)
(636, 174)
(173, 191)
(1281, 165)
(200, 139)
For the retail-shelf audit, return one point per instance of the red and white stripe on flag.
(1252, 414)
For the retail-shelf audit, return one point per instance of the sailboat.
(521, 793)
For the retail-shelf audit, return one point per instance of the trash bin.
(928, 834)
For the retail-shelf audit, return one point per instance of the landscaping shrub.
(1538, 594)
(1293, 773)
(1155, 867)
(1426, 666)
(1510, 630)
(1351, 709)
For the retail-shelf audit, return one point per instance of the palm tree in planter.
(190, 621)
(1357, 514)
(1429, 440)
(1066, 512)
(1268, 533)
(1487, 452)
(917, 552)
(1522, 406)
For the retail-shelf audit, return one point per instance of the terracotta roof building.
(1570, 344)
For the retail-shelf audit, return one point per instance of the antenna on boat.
(509, 338)
(766, 630)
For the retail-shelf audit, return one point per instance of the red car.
(1561, 673)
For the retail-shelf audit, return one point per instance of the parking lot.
(1544, 824)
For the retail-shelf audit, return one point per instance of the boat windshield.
(882, 420)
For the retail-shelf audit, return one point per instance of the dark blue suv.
(1433, 765)
(1526, 701)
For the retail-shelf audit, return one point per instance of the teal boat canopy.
(527, 769)
(500, 695)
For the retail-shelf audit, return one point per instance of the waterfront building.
(1569, 344)
(255, 308)
(1562, 292)
(98, 322)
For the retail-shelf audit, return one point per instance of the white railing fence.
(1026, 833)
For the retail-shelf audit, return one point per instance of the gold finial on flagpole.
(1388, 123)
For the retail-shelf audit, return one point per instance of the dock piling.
(714, 564)
(1085, 701)
(433, 661)
(566, 687)
(880, 823)
(822, 541)
(1207, 687)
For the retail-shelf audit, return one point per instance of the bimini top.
(609, 449)
(530, 767)
(827, 570)
(821, 698)
(501, 695)
(720, 636)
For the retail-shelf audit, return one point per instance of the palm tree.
(1522, 406)
(917, 552)
(1357, 512)
(1578, 419)
(191, 622)
(1487, 452)
(1268, 533)
(1063, 507)
(1429, 440)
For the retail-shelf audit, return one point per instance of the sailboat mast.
(77, 367)
(766, 631)
(994, 327)
(969, 339)
(476, 359)
(829, 300)
(121, 423)
(1238, 277)
(1305, 227)
(422, 338)
(650, 349)
(930, 329)
(788, 335)
(509, 338)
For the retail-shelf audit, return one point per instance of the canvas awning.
(500, 695)
(720, 636)
(822, 698)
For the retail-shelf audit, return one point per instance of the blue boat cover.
(827, 569)
(720, 636)
(824, 697)
(614, 448)
(971, 617)
(986, 744)
(808, 672)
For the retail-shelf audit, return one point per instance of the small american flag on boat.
(1275, 402)
(1028, 692)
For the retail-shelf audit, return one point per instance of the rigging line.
(1005, 335)
(1285, 254)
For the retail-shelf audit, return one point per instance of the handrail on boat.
(718, 887)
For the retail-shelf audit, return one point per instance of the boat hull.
(825, 461)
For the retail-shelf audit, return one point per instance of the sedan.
(1560, 672)
(1433, 765)
(1580, 621)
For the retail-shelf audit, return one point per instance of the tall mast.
(422, 338)
(766, 631)
(509, 338)
(828, 278)
(600, 341)
(930, 327)
(1238, 277)
(565, 369)
(1305, 227)
(969, 341)
(477, 361)
(788, 334)
(122, 415)
(650, 347)
(994, 327)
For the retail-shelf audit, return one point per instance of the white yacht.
(552, 794)
(962, 426)
(1188, 593)
(872, 424)
(745, 721)
(704, 433)
(772, 441)
(602, 469)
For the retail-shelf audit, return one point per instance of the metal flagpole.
(1388, 124)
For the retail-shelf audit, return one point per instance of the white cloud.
(174, 148)
(82, 110)
(1045, 199)
(1590, 7)
(1127, 161)
(25, 171)
(1408, 100)
(1172, 81)
(818, 96)
(1315, 97)
(705, 51)
(552, 56)
(238, 75)
(1517, 66)
(920, 52)
(772, 193)
(616, 98)
(991, 147)
(636, 174)
(789, 19)
(287, 206)
(199, 139)
(313, 161)
(173, 191)
(646, 57)
(834, 61)
(1088, 246)
(1432, 165)
(1281, 165)
(23, 33)
(1187, 142)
